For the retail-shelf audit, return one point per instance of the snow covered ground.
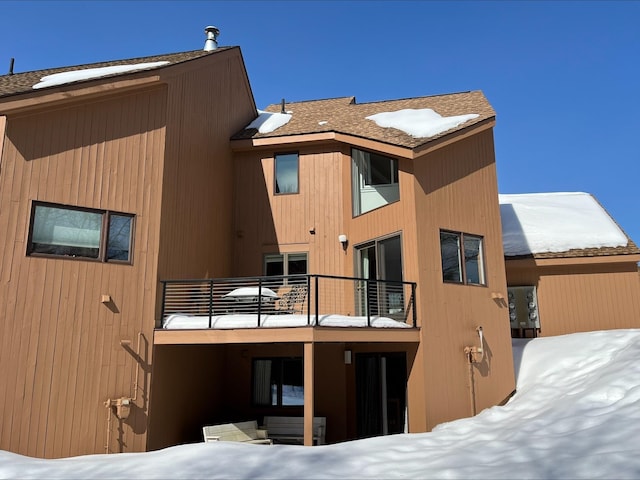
(576, 414)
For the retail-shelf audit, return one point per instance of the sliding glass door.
(380, 259)
(381, 385)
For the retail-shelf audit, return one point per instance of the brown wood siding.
(61, 351)
(456, 189)
(268, 223)
(61, 346)
(579, 298)
(206, 106)
(395, 218)
(188, 390)
(218, 388)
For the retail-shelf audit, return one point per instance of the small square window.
(278, 382)
(462, 258)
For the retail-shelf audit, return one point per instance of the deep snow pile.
(576, 414)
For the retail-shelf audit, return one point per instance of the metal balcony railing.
(293, 300)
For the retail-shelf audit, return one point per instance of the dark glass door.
(381, 385)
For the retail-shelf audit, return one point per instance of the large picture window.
(286, 173)
(462, 258)
(278, 382)
(374, 181)
(74, 232)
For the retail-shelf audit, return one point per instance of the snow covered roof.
(267, 122)
(559, 224)
(19, 83)
(420, 123)
(410, 122)
(89, 73)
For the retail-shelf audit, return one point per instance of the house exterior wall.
(456, 189)
(205, 107)
(453, 188)
(160, 152)
(61, 355)
(188, 390)
(581, 297)
(267, 223)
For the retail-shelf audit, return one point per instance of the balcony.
(287, 301)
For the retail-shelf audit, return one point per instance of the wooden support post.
(308, 393)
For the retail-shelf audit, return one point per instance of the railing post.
(413, 304)
(259, 299)
(164, 301)
(367, 290)
(210, 303)
(315, 298)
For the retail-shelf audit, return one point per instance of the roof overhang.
(286, 335)
(294, 141)
(63, 94)
(554, 262)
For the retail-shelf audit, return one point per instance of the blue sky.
(563, 77)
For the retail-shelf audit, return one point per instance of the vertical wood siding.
(268, 223)
(580, 298)
(161, 154)
(456, 189)
(206, 107)
(61, 352)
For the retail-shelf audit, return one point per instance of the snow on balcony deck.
(234, 321)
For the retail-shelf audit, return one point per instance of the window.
(374, 181)
(459, 268)
(65, 231)
(380, 259)
(278, 382)
(285, 264)
(286, 174)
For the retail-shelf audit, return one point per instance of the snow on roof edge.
(70, 76)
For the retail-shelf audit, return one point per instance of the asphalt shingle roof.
(344, 115)
(18, 83)
(629, 249)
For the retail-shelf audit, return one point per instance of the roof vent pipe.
(212, 38)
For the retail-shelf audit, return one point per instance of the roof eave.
(362, 142)
(54, 96)
(530, 261)
(456, 136)
(105, 85)
(297, 140)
